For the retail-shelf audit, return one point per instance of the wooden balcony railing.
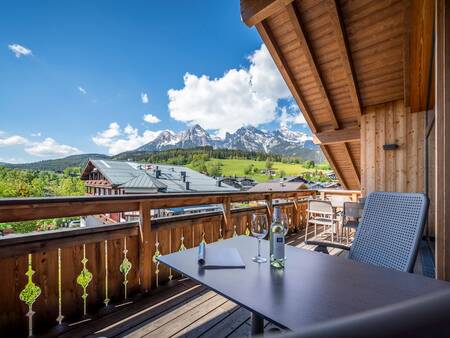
(57, 278)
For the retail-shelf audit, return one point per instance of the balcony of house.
(105, 280)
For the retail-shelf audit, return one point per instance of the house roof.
(273, 186)
(340, 57)
(289, 179)
(132, 175)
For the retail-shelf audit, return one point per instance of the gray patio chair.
(351, 215)
(389, 232)
(421, 317)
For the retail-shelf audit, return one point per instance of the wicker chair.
(389, 232)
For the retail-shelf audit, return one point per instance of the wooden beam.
(145, 247)
(339, 29)
(442, 139)
(347, 134)
(333, 165)
(352, 162)
(271, 44)
(312, 61)
(420, 54)
(255, 11)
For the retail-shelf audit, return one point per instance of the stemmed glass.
(260, 228)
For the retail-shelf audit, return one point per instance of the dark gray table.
(313, 287)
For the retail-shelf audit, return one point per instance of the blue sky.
(75, 75)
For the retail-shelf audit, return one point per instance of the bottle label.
(278, 246)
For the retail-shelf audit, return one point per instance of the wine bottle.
(277, 255)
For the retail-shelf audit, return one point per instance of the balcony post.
(228, 223)
(296, 213)
(145, 247)
(269, 205)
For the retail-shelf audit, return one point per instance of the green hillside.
(240, 167)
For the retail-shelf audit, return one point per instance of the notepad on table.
(222, 258)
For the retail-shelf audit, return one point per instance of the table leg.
(257, 324)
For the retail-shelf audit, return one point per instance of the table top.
(313, 287)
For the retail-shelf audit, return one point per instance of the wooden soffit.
(337, 57)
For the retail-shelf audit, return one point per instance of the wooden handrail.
(24, 209)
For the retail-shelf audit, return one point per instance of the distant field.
(237, 167)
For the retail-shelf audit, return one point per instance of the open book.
(222, 258)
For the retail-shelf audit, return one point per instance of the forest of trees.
(186, 156)
(34, 183)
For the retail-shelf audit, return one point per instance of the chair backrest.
(319, 206)
(353, 209)
(390, 230)
(425, 316)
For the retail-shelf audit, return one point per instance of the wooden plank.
(15, 209)
(229, 325)
(422, 13)
(271, 44)
(204, 323)
(24, 244)
(312, 61)
(442, 139)
(346, 134)
(145, 247)
(189, 316)
(338, 28)
(228, 221)
(253, 12)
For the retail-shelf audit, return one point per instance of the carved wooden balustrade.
(50, 280)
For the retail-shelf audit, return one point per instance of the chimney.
(219, 183)
(183, 176)
(157, 173)
(187, 184)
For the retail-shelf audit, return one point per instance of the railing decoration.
(29, 294)
(106, 300)
(83, 279)
(125, 267)
(155, 261)
(182, 246)
(247, 230)
(60, 316)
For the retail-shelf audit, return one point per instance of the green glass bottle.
(277, 241)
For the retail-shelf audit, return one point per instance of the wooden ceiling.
(337, 57)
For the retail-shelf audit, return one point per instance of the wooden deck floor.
(181, 309)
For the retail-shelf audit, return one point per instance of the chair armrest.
(328, 245)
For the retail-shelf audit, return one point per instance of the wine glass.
(260, 229)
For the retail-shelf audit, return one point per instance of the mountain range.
(248, 139)
(282, 141)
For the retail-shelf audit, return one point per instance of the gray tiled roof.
(134, 175)
(273, 186)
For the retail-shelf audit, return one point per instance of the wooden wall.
(392, 170)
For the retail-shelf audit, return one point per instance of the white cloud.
(240, 97)
(291, 115)
(13, 141)
(144, 98)
(50, 148)
(19, 50)
(151, 118)
(82, 90)
(11, 160)
(118, 140)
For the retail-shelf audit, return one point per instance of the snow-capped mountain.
(282, 141)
